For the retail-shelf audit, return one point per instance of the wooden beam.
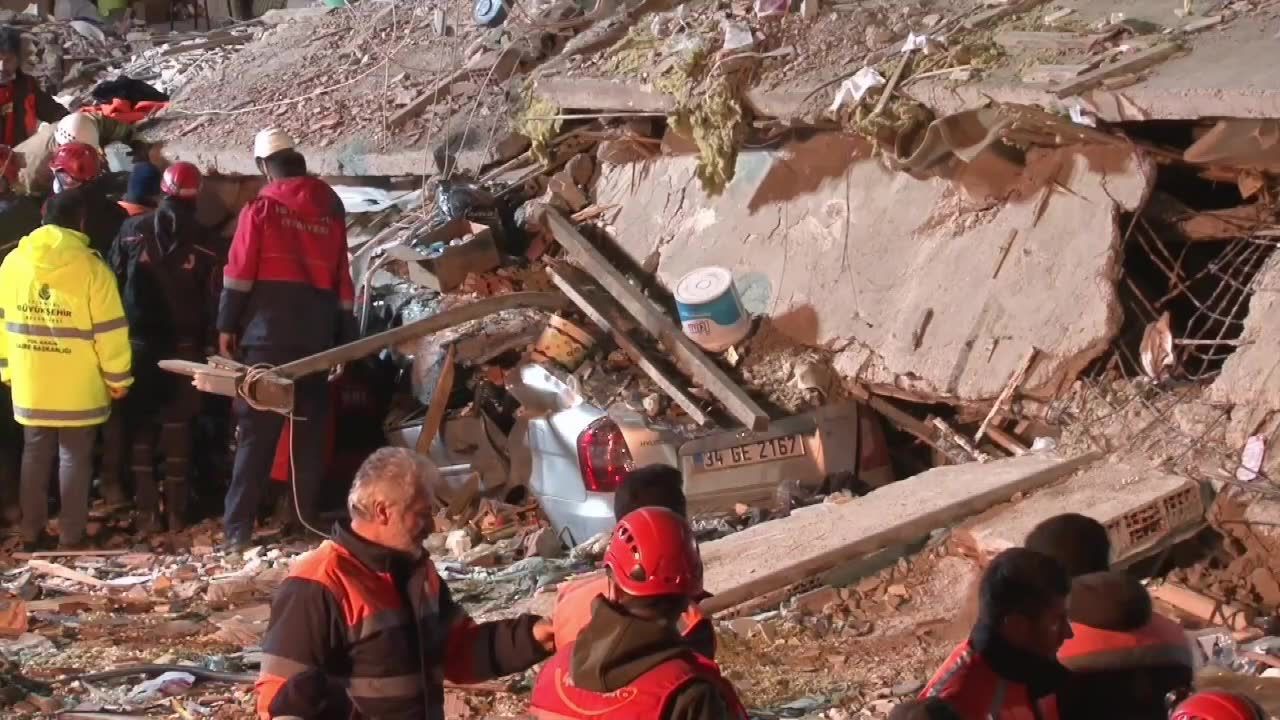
(1134, 63)
(434, 418)
(601, 316)
(321, 362)
(687, 355)
(909, 423)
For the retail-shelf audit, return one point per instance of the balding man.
(363, 627)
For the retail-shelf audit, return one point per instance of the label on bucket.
(710, 310)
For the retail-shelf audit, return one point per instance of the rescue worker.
(1125, 657)
(23, 105)
(364, 627)
(651, 486)
(1218, 705)
(19, 215)
(93, 130)
(1008, 668)
(144, 187)
(76, 165)
(630, 661)
(167, 279)
(64, 350)
(287, 294)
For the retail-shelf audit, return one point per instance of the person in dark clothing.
(930, 709)
(76, 165)
(287, 293)
(143, 190)
(1124, 657)
(19, 216)
(630, 661)
(649, 486)
(1008, 668)
(168, 282)
(23, 104)
(365, 629)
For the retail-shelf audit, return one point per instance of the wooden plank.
(908, 422)
(322, 362)
(1015, 381)
(439, 403)
(686, 354)
(433, 95)
(815, 539)
(70, 553)
(600, 316)
(498, 66)
(206, 45)
(1134, 63)
(48, 568)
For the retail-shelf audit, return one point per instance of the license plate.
(779, 448)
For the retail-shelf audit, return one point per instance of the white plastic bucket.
(711, 312)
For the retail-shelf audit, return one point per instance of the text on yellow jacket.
(63, 334)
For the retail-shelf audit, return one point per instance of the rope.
(252, 375)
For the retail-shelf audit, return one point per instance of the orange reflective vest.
(1160, 642)
(648, 697)
(968, 683)
(13, 135)
(573, 608)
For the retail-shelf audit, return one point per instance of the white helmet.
(76, 127)
(269, 142)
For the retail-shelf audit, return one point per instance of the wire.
(251, 376)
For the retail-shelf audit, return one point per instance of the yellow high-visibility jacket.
(63, 334)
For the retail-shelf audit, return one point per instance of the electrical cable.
(252, 375)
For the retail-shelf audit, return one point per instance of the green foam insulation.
(532, 123)
(708, 106)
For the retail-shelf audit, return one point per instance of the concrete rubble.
(986, 287)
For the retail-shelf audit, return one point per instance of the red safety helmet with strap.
(9, 165)
(1217, 705)
(653, 553)
(77, 161)
(181, 180)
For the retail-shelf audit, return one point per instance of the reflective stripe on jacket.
(287, 282)
(63, 334)
(555, 697)
(361, 631)
(968, 683)
(573, 611)
(1161, 642)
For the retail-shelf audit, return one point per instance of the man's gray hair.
(391, 475)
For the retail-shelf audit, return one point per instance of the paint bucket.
(710, 310)
(562, 343)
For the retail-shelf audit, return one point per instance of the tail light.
(603, 456)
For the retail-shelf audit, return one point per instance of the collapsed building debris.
(1013, 233)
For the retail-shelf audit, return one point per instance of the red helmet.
(652, 552)
(77, 161)
(9, 165)
(1217, 705)
(181, 180)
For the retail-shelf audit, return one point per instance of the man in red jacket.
(287, 294)
(1008, 668)
(1124, 657)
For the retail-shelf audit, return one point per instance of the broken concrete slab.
(815, 539)
(1144, 510)
(1250, 377)
(818, 241)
